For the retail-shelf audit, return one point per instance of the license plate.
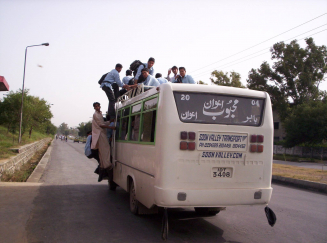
(222, 172)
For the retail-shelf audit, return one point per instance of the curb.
(38, 171)
(309, 185)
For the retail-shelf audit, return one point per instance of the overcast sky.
(87, 39)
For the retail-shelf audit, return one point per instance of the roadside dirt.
(300, 173)
(26, 169)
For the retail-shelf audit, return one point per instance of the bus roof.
(198, 88)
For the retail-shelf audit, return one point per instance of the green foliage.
(220, 78)
(84, 128)
(9, 140)
(294, 77)
(64, 129)
(307, 124)
(36, 113)
(201, 82)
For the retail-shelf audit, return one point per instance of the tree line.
(293, 85)
(81, 130)
(36, 114)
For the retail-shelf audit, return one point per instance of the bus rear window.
(219, 109)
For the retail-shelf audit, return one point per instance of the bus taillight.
(256, 139)
(253, 148)
(183, 135)
(187, 145)
(191, 135)
(260, 149)
(183, 145)
(191, 146)
(260, 138)
(253, 139)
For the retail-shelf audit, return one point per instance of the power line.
(223, 65)
(260, 43)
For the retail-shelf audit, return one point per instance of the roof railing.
(133, 92)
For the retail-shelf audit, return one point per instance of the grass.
(300, 173)
(9, 140)
(26, 169)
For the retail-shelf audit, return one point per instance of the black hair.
(145, 69)
(158, 75)
(128, 72)
(174, 67)
(88, 132)
(96, 103)
(118, 65)
(182, 68)
(151, 59)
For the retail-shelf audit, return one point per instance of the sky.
(88, 38)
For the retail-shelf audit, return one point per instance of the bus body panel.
(171, 170)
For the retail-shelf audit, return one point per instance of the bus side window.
(148, 126)
(135, 127)
(124, 128)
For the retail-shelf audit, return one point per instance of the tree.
(84, 128)
(50, 128)
(307, 124)
(62, 128)
(220, 78)
(201, 82)
(10, 110)
(36, 112)
(294, 77)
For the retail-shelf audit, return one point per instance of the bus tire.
(133, 203)
(207, 211)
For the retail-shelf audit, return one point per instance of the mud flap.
(271, 216)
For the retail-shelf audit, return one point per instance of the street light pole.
(21, 108)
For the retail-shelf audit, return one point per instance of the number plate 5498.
(222, 172)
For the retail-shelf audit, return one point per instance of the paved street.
(71, 206)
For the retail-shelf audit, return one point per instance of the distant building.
(279, 131)
(4, 86)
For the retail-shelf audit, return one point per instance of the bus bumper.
(211, 197)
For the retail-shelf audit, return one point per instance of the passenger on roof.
(161, 79)
(149, 79)
(110, 83)
(148, 65)
(183, 78)
(175, 73)
(129, 79)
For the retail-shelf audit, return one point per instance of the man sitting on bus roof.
(129, 79)
(161, 79)
(183, 78)
(175, 73)
(149, 79)
(148, 65)
(108, 85)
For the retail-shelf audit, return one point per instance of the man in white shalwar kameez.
(99, 137)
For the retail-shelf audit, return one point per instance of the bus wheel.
(207, 211)
(133, 203)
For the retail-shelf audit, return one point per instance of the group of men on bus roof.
(112, 82)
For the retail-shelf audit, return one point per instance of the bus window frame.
(141, 113)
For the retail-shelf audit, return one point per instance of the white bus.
(201, 146)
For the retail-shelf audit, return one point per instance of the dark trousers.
(112, 100)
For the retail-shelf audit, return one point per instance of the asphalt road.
(71, 206)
